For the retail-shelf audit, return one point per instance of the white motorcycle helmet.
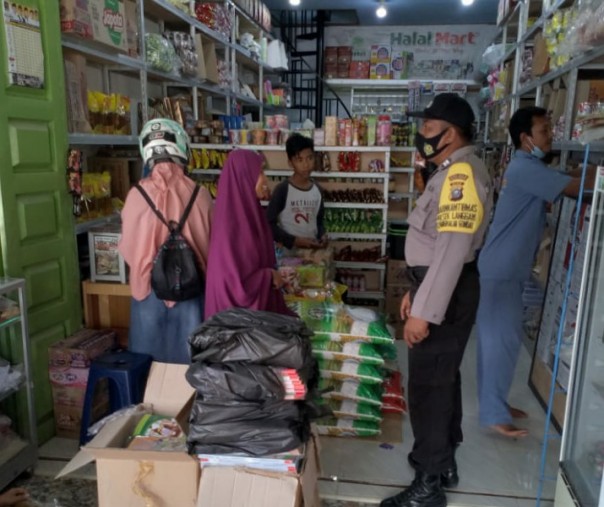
(163, 139)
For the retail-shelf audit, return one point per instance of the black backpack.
(176, 274)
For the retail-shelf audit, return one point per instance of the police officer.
(446, 228)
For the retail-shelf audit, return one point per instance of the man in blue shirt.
(506, 261)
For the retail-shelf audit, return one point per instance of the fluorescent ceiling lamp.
(467, 3)
(381, 11)
(294, 2)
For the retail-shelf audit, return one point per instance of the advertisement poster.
(450, 52)
(24, 43)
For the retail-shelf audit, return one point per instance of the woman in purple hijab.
(241, 263)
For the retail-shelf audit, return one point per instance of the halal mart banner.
(434, 52)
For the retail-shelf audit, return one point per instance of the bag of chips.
(355, 411)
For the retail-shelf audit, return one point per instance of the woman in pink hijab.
(241, 263)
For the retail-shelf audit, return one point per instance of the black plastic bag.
(235, 381)
(255, 438)
(255, 337)
(207, 413)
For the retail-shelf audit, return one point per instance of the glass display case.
(582, 459)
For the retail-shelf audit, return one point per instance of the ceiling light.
(381, 11)
(294, 2)
(467, 3)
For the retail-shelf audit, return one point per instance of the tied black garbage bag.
(209, 413)
(235, 382)
(254, 337)
(255, 438)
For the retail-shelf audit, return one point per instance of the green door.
(36, 227)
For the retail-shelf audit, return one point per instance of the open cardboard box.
(172, 479)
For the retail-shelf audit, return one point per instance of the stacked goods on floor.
(352, 345)
(308, 273)
(253, 373)
(68, 367)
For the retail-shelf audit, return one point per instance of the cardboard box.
(380, 54)
(68, 420)
(79, 349)
(540, 56)
(131, 28)
(397, 273)
(125, 476)
(379, 71)
(99, 20)
(246, 487)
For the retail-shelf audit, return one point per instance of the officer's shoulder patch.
(459, 207)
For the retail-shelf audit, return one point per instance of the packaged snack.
(158, 426)
(352, 391)
(350, 370)
(160, 54)
(347, 428)
(344, 323)
(339, 351)
(355, 411)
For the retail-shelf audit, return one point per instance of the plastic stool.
(126, 373)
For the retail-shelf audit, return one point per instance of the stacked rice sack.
(352, 346)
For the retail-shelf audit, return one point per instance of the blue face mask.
(537, 152)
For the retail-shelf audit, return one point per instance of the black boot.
(448, 479)
(425, 491)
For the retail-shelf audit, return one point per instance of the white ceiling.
(404, 12)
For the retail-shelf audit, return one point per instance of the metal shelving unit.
(20, 454)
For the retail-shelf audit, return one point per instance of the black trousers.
(434, 385)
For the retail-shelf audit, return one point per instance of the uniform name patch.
(459, 207)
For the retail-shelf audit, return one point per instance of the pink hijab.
(142, 232)
(242, 255)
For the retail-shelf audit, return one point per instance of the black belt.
(416, 274)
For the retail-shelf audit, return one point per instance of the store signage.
(432, 38)
(431, 52)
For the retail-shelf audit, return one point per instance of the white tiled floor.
(494, 471)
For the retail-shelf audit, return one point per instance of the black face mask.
(427, 146)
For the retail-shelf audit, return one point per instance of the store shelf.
(166, 12)
(245, 57)
(101, 139)
(402, 170)
(406, 149)
(10, 392)
(377, 84)
(9, 322)
(596, 146)
(379, 266)
(83, 227)
(365, 294)
(370, 236)
(329, 174)
(577, 62)
(245, 99)
(360, 149)
(250, 21)
(227, 147)
(399, 196)
(398, 221)
(96, 52)
(16, 457)
(355, 205)
(206, 172)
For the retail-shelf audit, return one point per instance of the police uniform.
(446, 229)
